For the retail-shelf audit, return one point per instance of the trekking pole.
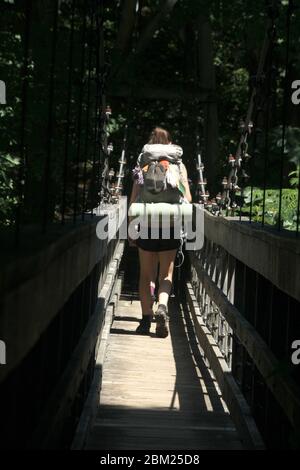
(202, 193)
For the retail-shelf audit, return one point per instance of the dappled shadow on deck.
(158, 393)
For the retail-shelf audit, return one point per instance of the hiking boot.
(162, 321)
(144, 326)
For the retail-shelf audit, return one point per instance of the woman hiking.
(160, 176)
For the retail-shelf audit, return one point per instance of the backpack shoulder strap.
(183, 172)
(138, 162)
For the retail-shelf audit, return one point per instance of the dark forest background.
(188, 65)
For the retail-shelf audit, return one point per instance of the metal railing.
(53, 141)
(263, 181)
(251, 307)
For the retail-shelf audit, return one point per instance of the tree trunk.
(124, 35)
(207, 79)
(127, 70)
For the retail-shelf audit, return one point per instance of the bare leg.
(148, 270)
(166, 268)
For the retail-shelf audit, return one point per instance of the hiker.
(159, 176)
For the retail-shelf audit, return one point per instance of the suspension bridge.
(74, 373)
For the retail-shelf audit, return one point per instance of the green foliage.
(8, 168)
(294, 178)
(289, 204)
(33, 127)
(266, 168)
(116, 124)
(170, 61)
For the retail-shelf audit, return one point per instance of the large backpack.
(160, 166)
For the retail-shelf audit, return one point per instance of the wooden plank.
(58, 406)
(275, 255)
(156, 394)
(235, 401)
(110, 437)
(110, 414)
(43, 282)
(88, 413)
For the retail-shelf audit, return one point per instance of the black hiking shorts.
(160, 243)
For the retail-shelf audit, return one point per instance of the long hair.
(159, 136)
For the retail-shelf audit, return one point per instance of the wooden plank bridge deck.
(158, 393)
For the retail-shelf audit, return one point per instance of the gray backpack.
(156, 187)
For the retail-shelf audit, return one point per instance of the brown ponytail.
(159, 136)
